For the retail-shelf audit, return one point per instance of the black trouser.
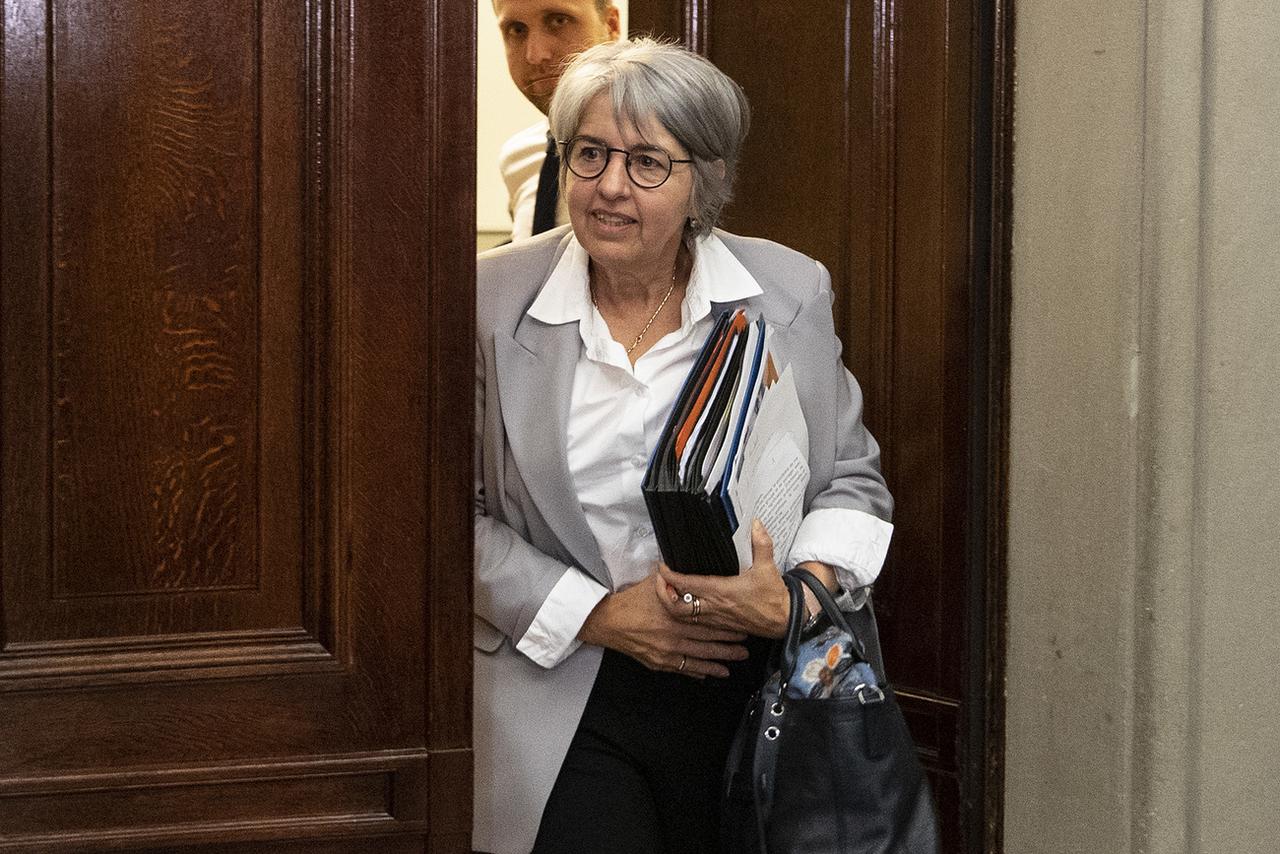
(644, 770)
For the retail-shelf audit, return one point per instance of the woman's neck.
(630, 287)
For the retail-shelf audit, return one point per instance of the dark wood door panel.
(234, 401)
(228, 802)
(796, 156)
(156, 507)
(153, 428)
(927, 363)
(350, 845)
(154, 251)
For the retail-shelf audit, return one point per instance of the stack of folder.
(695, 485)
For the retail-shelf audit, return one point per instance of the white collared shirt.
(616, 415)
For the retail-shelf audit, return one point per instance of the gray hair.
(696, 102)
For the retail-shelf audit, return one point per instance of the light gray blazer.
(529, 526)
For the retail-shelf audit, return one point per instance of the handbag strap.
(831, 609)
(789, 649)
(795, 625)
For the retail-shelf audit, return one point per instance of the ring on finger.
(693, 601)
(684, 659)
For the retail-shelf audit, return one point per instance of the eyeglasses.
(647, 167)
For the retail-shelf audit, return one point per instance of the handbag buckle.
(869, 693)
(859, 597)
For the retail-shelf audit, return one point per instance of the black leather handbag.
(831, 774)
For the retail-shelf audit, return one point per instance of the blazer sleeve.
(512, 578)
(856, 481)
(847, 518)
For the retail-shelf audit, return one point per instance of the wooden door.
(876, 134)
(235, 369)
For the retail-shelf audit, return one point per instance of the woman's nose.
(614, 180)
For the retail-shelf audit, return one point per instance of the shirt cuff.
(854, 543)
(553, 634)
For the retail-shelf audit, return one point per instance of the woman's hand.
(755, 601)
(635, 622)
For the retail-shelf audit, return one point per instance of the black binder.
(692, 521)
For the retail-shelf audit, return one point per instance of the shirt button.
(641, 391)
(640, 461)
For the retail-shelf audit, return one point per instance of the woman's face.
(625, 228)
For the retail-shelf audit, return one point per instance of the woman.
(602, 711)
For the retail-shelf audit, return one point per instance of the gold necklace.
(656, 312)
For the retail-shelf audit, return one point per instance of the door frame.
(989, 317)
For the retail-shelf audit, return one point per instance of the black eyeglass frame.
(608, 155)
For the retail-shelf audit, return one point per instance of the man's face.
(540, 34)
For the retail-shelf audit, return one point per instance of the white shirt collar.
(717, 276)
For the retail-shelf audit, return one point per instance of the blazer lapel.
(535, 370)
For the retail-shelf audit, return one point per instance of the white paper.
(775, 472)
(777, 499)
(780, 413)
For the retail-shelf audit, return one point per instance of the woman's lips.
(611, 220)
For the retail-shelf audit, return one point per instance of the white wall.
(500, 111)
(1144, 542)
